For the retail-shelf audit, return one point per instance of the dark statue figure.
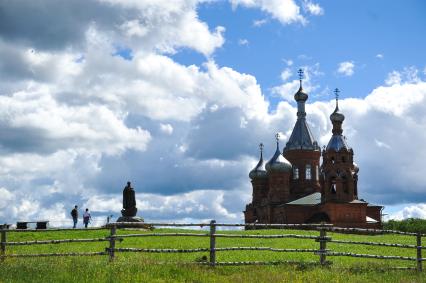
(129, 201)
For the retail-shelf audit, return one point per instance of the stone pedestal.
(135, 219)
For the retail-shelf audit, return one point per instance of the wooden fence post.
(212, 243)
(112, 242)
(323, 245)
(419, 252)
(3, 242)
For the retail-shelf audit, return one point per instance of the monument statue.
(129, 207)
(129, 201)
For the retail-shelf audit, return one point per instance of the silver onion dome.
(278, 163)
(336, 116)
(259, 171)
(300, 95)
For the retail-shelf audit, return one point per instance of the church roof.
(301, 137)
(311, 199)
(337, 142)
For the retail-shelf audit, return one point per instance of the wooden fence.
(322, 238)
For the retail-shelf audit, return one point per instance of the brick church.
(294, 187)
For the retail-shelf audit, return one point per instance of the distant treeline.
(407, 225)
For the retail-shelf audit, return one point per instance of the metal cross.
(277, 137)
(300, 74)
(336, 92)
(261, 147)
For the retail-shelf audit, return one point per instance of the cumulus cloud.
(285, 11)
(346, 68)
(146, 25)
(313, 8)
(411, 211)
(407, 75)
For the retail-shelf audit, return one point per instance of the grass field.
(144, 267)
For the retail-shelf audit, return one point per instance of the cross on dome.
(300, 72)
(277, 137)
(261, 147)
(336, 93)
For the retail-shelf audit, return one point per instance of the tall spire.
(301, 137)
(337, 141)
(261, 150)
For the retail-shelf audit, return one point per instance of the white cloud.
(286, 74)
(346, 68)
(259, 23)
(166, 128)
(313, 8)
(411, 211)
(380, 56)
(286, 11)
(407, 75)
(243, 42)
(289, 62)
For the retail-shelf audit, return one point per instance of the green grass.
(144, 267)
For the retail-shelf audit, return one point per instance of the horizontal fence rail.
(323, 251)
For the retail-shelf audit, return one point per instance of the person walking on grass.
(74, 215)
(86, 218)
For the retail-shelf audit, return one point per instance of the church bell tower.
(302, 151)
(339, 172)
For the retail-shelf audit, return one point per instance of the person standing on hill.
(74, 215)
(86, 218)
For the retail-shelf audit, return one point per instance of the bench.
(5, 226)
(24, 224)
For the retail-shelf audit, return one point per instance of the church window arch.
(308, 173)
(295, 173)
(333, 188)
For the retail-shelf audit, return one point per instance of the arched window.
(295, 173)
(308, 174)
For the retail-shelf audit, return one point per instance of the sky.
(175, 96)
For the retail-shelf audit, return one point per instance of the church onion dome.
(300, 95)
(278, 163)
(259, 171)
(337, 141)
(336, 116)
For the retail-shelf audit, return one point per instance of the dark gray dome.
(259, 171)
(336, 116)
(278, 163)
(300, 95)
